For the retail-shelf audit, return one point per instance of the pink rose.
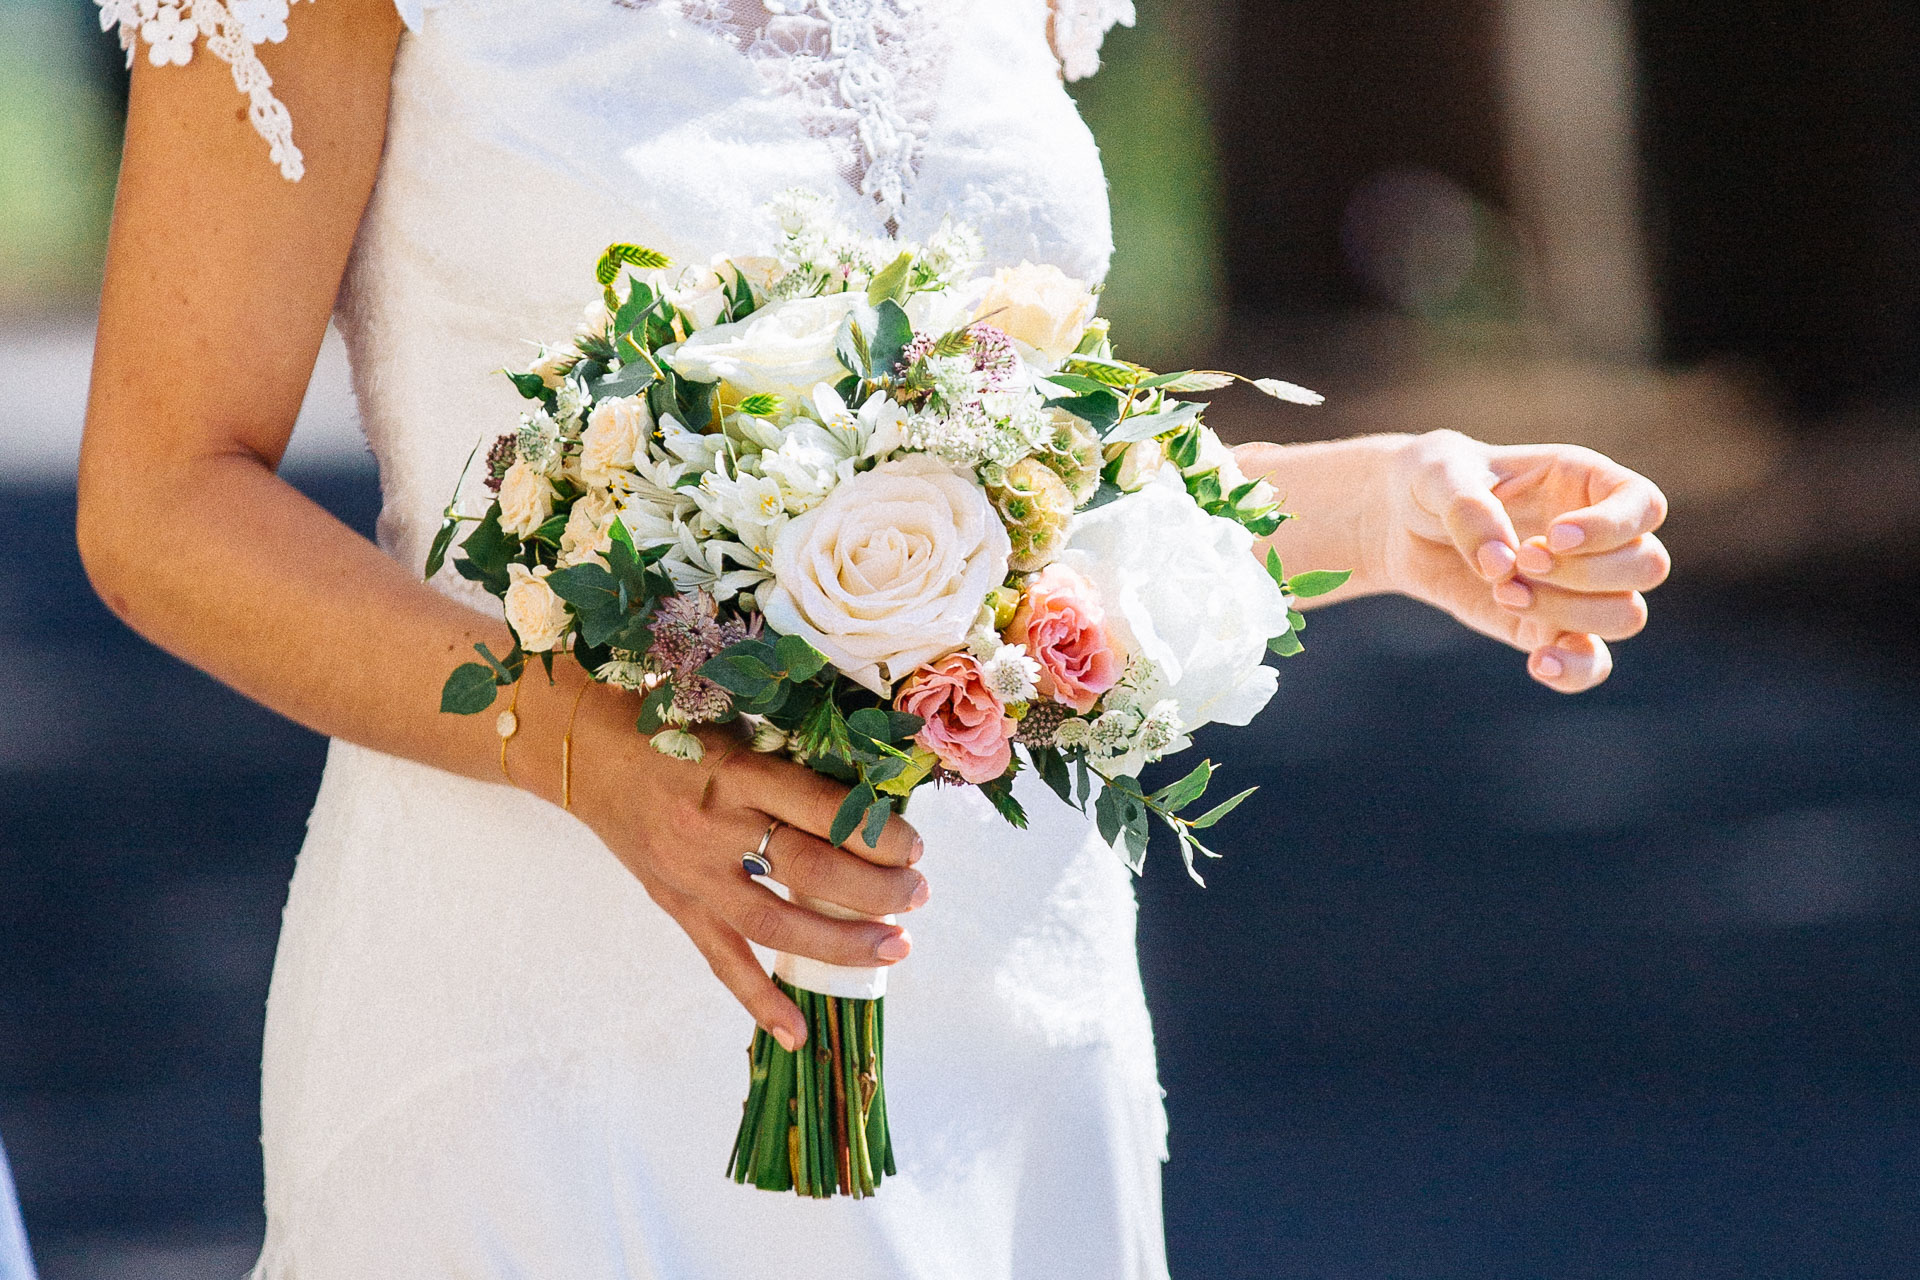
(1061, 624)
(967, 727)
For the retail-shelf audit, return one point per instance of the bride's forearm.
(1333, 489)
(261, 588)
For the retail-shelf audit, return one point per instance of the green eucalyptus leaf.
(469, 690)
(1176, 796)
(876, 820)
(587, 587)
(892, 332)
(1286, 645)
(437, 553)
(1220, 810)
(800, 660)
(1146, 426)
(852, 810)
(1317, 582)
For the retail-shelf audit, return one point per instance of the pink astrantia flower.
(967, 727)
(1060, 622)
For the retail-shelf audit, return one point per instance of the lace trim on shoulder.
(1079, 26)
(231, 30)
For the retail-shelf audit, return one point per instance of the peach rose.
(1040, 306)
(967, 727)
(1061, 624)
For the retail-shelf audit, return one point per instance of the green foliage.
(489, 550)
(892, 332)
(1000, 793)
(1317, 582)
(763, 405)
(469, 690)
(1145, 426)
(889, 284)
(530, 385)
(632, 255)
(1100, 410)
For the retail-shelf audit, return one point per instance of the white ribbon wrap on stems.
(831, 979)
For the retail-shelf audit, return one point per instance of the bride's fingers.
(808, 801)
(1612, 615)
(1641, 565)
(811, 866)
(772, 921)
(1573, 663)
(1629, 505)
(1456, 489)
(738, 969)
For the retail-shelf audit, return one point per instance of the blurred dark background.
(1492, 983)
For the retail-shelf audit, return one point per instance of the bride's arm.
(1544, 547)
(219, 281)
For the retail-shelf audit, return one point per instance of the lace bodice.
(856, 70)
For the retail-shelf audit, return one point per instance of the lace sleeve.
(233, 30)
(1078, 28)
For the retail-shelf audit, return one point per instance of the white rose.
(615, 429)
(1041, 306)
(1182, 589)
(701, 295)
(889, 571)
(536, 614)
(526, 500)
(783, 349)
(1214, 455)
(1139, 463)
(553, 366)
(589, 530)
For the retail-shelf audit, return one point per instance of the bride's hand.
(682, 827)
(1545, 547)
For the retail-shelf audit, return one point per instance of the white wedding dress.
(488, 1053)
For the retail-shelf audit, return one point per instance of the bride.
(495, 1044)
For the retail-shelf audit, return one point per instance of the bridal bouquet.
(909, 524)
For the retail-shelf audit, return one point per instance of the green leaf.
(631, 255)
(876, 821)
(1052, 768)
(763, 405)
(489, 551)
(587, 587)
(1176, 796)
(1220, 810)
(437, 553)
(1286, 645)
(852, 811)
(892, 332)
(653, 708)
(469, 690)
(1114, 373)
(1189, 380)
(740, 673)
(800, 660)
(550, 532)
(1184, 449)
(530, 385)
(1297, 620)
(628, 380)
(1000, 793)
(851, 350)
(1082, 781)
(871, 722)
(1107, 492)
(641, 299)
(1107, 815)
(503, 672)
(1274, 571)
(1317, 582)
(739, 296)
(1077, 384)
(904, 725)
(889, 284)
(1147, 426)
(1099, 409)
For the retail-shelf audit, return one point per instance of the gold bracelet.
(506, 725)
(566, 748)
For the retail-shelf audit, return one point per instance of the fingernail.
(1534, 559)
(1565, 537)
(1514, 595)
(918, 847)
(1496, 560)
(894, 948)
(921, 893)
(785, 1037)
(1549, 666)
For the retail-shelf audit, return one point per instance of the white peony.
(537, 615)
(888, 572)
(526, 500)
(1183, 590)
(782, 349)
(615, 429)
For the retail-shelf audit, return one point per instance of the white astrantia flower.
(569, 403)
(1011, 673)
(539, 442)
(679, 744)
(1183, 590)
(1073, 733)
(625, 672)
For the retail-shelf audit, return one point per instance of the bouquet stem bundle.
(815, 1121)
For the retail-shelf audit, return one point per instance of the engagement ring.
(755, 863)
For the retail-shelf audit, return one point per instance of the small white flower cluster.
(820, 254)
(971, 419)
(1134, 727)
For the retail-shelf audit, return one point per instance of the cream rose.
(889, 571)
(784, 348)
(536, 614)
(589, 530)
(526, 500)
(615, 429)
(1040, 306)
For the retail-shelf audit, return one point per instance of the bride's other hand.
(681, 827)
(1545, 547)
